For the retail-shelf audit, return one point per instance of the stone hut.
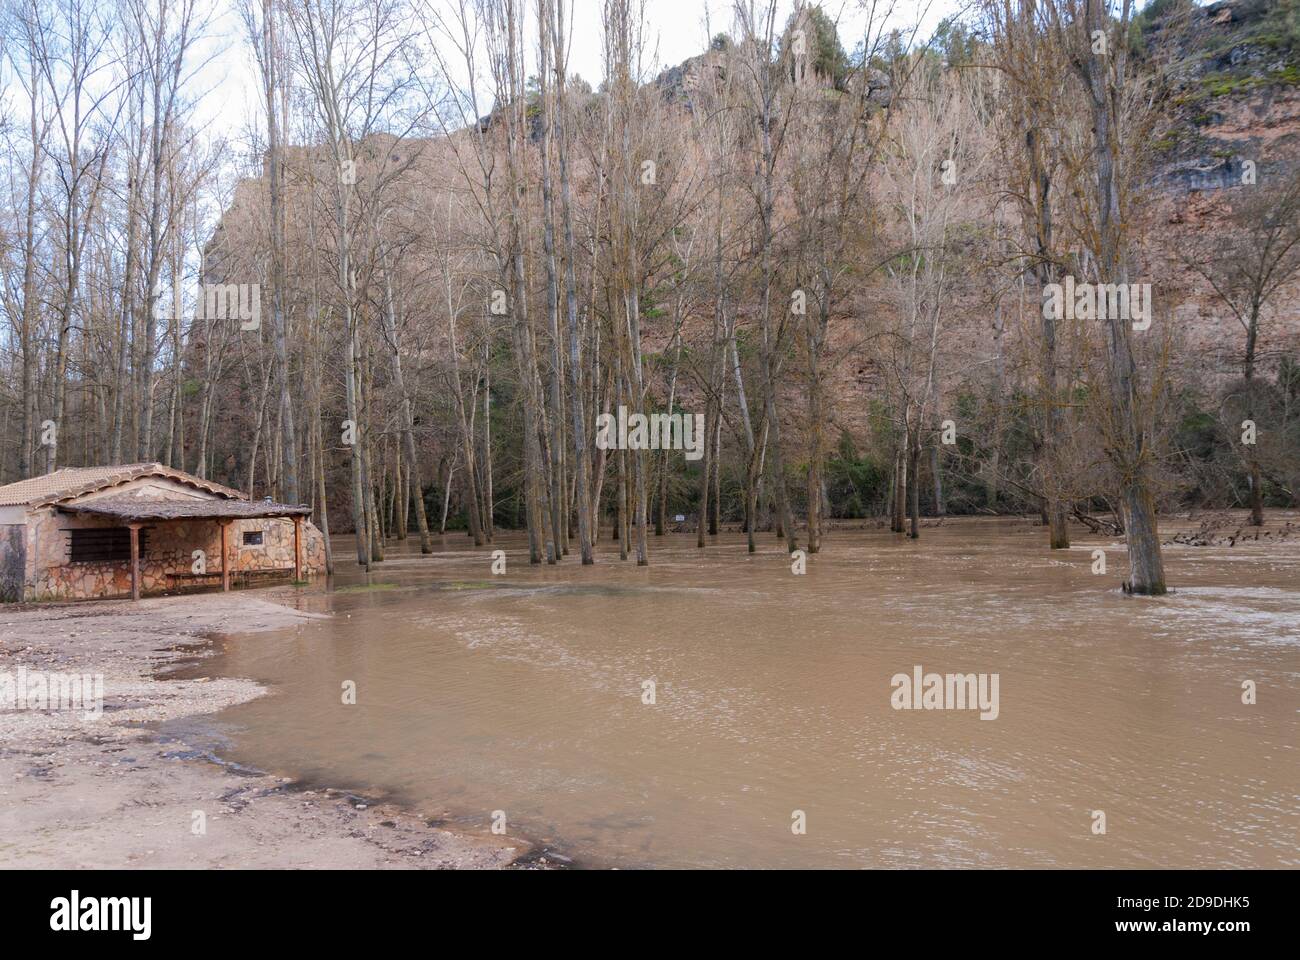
(120, 531)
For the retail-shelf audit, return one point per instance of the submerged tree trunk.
(1130, 447)
(914, 487)
(898, 497)
(816, 451)
(936, 477)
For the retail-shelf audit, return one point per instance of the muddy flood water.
(523, 693)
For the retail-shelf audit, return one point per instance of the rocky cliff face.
(1231, 125)
(1234, 76)
(682, 83)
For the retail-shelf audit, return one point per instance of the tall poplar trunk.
(816, 441)
(279, 332)
(898, 495)
(1130, 450)
(578, 425)
(1256, 476)
(914, 484)
(556, 418)
(27, 331)
(359, 523)
(408, 421)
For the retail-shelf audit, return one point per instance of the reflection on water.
(523, 693)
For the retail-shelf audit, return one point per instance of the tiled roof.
(78, 481)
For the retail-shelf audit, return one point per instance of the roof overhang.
(139, 509)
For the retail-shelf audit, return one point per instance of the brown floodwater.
(523, 693)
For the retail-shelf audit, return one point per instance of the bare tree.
(1247, 270)
(71, 48)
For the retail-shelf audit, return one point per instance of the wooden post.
(135, 560)
(225, 554)
(297, 548)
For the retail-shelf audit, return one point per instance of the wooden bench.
(175, 580)
(191, 579)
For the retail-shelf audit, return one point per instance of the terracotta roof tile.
(77, 481)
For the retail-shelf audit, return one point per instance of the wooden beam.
(297, 548)
(135, 560)
(225, 555)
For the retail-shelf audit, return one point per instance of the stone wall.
(13, 561)
(168, 550)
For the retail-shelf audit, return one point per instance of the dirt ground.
(80, 791)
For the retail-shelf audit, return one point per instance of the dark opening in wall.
(252, 538)
(102, 544)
